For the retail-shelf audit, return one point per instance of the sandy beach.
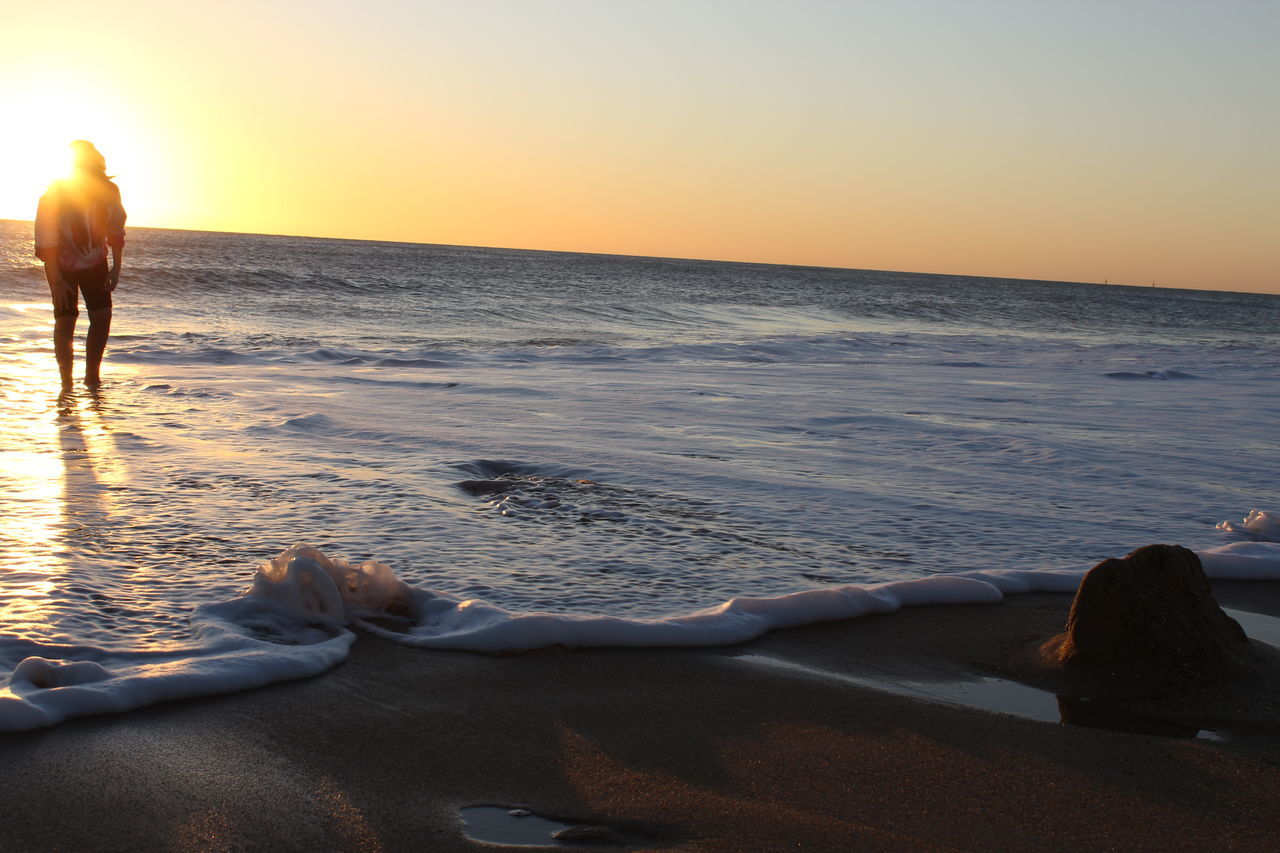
(778, 744)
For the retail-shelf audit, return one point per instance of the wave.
(296, 617)
(794, 349)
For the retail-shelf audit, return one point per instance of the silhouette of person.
(77, 220)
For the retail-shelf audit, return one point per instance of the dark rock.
(587, 835)
(486, 487)
(1151, 613)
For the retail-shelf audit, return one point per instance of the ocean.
(303, 439)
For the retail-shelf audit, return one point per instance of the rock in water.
(1152, 612)
(486, 487)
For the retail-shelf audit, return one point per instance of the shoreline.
(688, 749)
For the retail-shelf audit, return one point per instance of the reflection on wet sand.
(1100, 714)
(1007, 697)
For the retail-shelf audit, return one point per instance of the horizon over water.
(498, 449)
(1106, 282)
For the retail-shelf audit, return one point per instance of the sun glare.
(34, 148)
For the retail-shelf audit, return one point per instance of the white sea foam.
(293, 622)
(1243, 561)
(1258, 525)
(229, 653)
(1255, 559)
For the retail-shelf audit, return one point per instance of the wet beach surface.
(664, 749)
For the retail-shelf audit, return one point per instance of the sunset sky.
(1134, 141)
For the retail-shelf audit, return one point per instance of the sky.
(1089, 140)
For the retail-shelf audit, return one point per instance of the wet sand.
(719, 749)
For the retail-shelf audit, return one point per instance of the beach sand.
(715, 749)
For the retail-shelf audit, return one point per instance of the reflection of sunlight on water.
(89, 450)
(58, 456)
(31, 485)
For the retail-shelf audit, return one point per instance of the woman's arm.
(115, 236)
(113, 277)
(47, 237)
(62, 293)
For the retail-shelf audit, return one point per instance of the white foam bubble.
(38, 672)
(310, 586)
(1259, 525)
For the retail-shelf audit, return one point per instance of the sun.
(34, 147)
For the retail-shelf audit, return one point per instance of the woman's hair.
(89, 180)
(88, 159)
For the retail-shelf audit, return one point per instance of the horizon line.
(1105, 283)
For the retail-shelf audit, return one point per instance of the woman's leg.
(64, 330)
(95, 344)
(97, 301)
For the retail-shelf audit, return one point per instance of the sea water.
(494, 449)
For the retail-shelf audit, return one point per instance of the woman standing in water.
(77, 220)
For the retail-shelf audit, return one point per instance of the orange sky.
(1133, 142)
